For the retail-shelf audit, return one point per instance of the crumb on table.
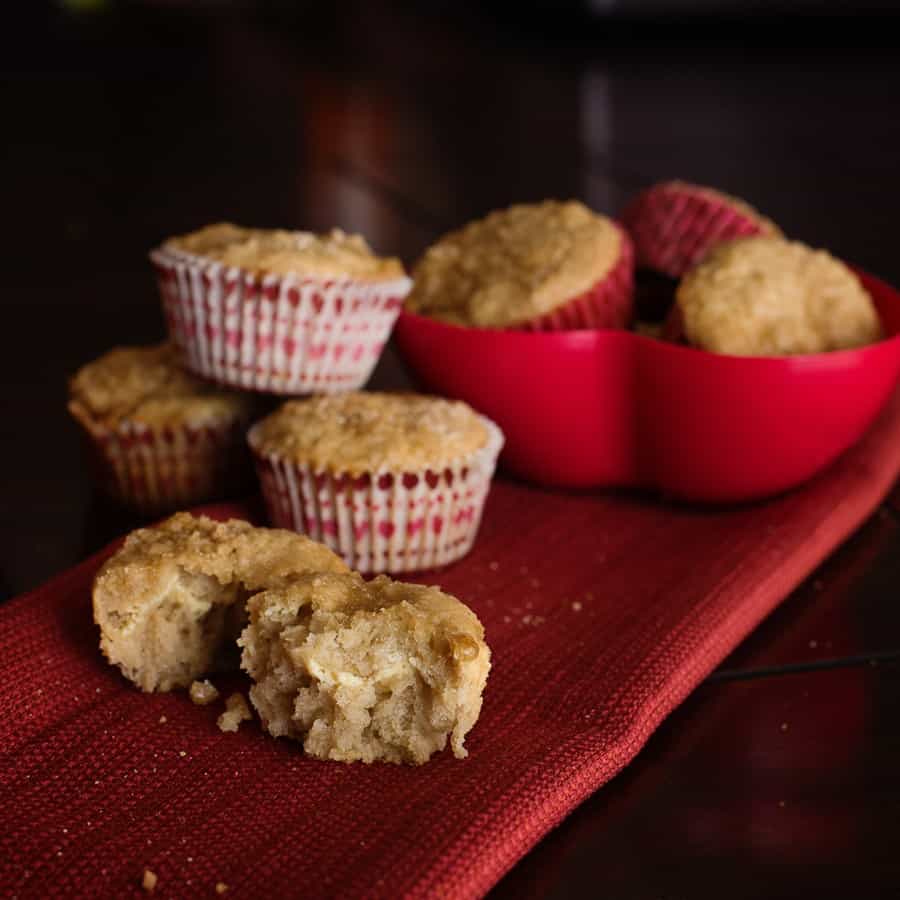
(203, 692)
(236, 711)
(149, 880)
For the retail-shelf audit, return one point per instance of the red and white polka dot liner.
(280, 335)
(384, 521)
(157, 471)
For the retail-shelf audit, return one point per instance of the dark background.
(128, 122)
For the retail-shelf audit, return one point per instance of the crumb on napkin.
(236, 711)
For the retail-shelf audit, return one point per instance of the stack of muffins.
(390, 482)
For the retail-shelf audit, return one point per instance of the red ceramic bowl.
(605, 408)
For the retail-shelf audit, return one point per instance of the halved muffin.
(365, 671)
(171, 602)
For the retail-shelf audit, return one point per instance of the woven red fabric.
(603, 613)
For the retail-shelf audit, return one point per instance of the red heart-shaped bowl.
(613, 408)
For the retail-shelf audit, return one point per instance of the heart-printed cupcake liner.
(384, 520)
(155, 470)
(274, 334)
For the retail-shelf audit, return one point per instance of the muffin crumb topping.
(364, 432)
(516, 264)
(147, 385)
(283, 252)
(762, 296)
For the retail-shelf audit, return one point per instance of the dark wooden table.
(779, 777)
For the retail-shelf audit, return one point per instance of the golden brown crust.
(264, 250)
(174, 592)
(366, 431)
(147, 386)
(515, 265)
(229, 551)
(762, 296)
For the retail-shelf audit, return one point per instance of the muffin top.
(515, 265)
(231, 551)
(426, 610)
(263, 250)
(766, 226)
(762, 296)
(147, 385)
(365, 432)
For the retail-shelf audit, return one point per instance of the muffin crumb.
(203, 692)
(148, 883)
(221, 887)
(236, 711)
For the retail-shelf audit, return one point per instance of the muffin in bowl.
(159, 437)
(391, 482)
(284, 312)
(763, 296)
(538, 267)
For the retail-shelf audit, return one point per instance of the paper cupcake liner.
(156, 471)
(608, 304)
(673, 227)
(281, 335)
(383, 521)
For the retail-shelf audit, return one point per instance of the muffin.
(365, 671)
(763, 296)
(159, 437)
(171, 602)
(674, 224)
(284, 312)
(391, 482)
(539, 267)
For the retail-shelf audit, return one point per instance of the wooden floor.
(124, 128)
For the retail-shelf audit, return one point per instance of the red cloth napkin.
(603, 613)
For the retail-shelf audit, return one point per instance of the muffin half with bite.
(365, 671)
(284, 312)
(391, 482)
(538, 267)
(159, 438)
